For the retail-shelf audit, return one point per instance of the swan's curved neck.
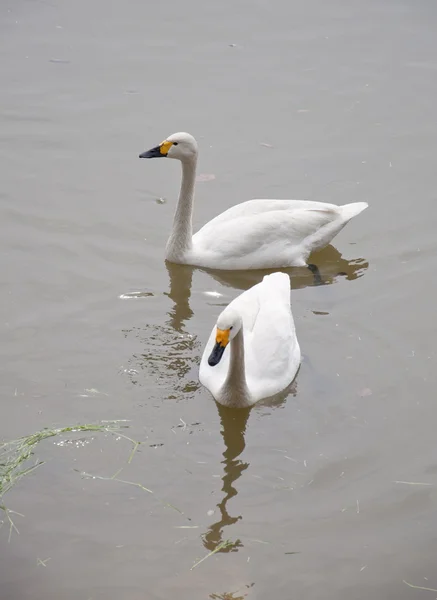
(235, 390)
(180, 240)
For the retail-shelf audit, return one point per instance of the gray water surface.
(331, 101)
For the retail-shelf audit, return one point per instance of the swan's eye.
(231, 327)
(175, 143)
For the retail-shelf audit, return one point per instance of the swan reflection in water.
(331, 266)
(233, 424)
(233, 429)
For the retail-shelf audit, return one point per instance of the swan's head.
(228, 325)
(178, 145)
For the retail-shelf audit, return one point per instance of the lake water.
(329, 493)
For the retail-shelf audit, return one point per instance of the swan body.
(257, 234)
(263, 356)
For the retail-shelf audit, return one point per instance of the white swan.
(257, 234)
(264, 353)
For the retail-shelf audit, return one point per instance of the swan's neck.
(180, 240)
(235, 391)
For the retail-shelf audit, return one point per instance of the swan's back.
(270, 233)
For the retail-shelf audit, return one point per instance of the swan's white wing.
(258, 207)
(272, 238)
(273, 352)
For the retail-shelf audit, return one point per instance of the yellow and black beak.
(160, 151)
(221, 341)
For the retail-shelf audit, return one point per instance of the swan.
(264, 354)
(256, 234)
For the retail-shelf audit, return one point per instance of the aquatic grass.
(227, 596)
(419, 587)
(222, 546)
(134, 483)
(15, 454)
(231, 595)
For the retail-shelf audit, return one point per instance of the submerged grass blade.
(12, 526)
(412, 482)
(418, 587)
(134, 483)
(222, 546)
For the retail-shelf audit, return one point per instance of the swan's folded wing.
(274, 355)
(273, 337)
(267, 232)
(260, 207)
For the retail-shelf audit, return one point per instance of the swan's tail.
(348, 211)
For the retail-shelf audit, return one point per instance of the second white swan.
(264, 354)
(257, 234)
